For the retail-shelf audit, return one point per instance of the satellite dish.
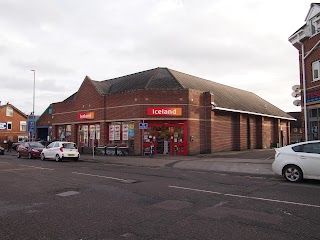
(296, 94)
(296, 88)
(297, 102)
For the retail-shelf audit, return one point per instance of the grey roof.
(225, 97)
(16, 109)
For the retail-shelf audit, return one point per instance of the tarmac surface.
(256, 162)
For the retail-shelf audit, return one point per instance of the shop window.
(68, 131)
(9, 125)
(89, 135)
(9, 112)
(61, 133)
(122, 133)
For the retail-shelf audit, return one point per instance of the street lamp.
(34, 92)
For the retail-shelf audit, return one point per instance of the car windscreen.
(36, 145)
(69, 145)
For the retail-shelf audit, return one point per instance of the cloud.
(243, 44)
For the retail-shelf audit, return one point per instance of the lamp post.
(34, 92)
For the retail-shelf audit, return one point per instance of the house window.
(9, 125)
(23, 126)
(9, 112)
(315, 70)
(314, 26)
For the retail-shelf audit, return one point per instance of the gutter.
(253, 113)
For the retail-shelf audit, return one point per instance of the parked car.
(298, 161)
(1, 150)
(29, 149)
(15, 145)
(59, 150)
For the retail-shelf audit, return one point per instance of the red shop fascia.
(166, 136)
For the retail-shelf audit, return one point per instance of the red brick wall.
(222, 132)
(45, 119)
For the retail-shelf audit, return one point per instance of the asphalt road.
(95, 200)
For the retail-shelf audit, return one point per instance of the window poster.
(116, 132)
(131, 131)
(111, 132)
(85, 135)
(125, 128)
(97, 131)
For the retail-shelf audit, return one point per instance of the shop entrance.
(167, 138)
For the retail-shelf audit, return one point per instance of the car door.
(48, 150)
(309, 159)
(23, 149)
(55, 149)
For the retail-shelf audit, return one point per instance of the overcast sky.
(241, 43)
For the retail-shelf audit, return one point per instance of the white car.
(60, 150)
(298, 161)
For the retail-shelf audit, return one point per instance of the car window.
(69, 145)
(50, 145)
(311, 148)
(298, 148)
(36, 145)
(56, 144)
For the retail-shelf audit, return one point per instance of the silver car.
(60, 150)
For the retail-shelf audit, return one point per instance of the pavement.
(254, 162)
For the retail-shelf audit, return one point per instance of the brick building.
(182, 114)
(296, 127)
(307, 40)
(13, 124)
(44, 125)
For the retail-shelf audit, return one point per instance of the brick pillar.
(137, 138)
(54, 132)
(73, 133)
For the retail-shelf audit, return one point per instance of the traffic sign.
(143, 125)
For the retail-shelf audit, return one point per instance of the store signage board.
(86, 115)
(143, 125)
(3, 126)
(164, 111)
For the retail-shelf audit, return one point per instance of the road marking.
(67, 194)
(50, 169)
(6, 163)
(13, 169)
(242, 196)
(93, 175)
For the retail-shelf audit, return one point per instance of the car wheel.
(57, 158)
(29, 155)
(42, 157)
(18, 155)
(76, 159)
(292, 173)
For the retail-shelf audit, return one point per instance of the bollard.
(116, 150)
